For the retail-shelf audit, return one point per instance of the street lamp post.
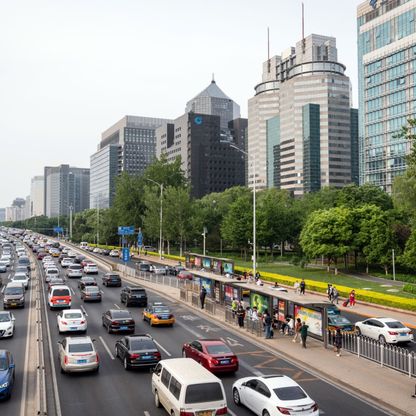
(161, 215)
(70, 222)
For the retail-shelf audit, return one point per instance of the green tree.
(353, 196)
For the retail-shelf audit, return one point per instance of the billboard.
(227, 267)
(311, 317)
(261, 302)
(230, 293)
(206, 283)
(206, 263)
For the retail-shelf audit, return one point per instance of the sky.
(69, 69)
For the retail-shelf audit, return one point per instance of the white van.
(182, 386)
(83, 245)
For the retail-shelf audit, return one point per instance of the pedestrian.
(259, 282)
(289, 326)
(298, 326)
(296, 287)
(245, 274)
(338, 342)
(304, 333)
(166, 270)
(240, 315)
(234, 305)
(202, 296)
(352, 298)
(335, 295)
(302, 287)
(267, 321)
(329, 292)
(255, 314)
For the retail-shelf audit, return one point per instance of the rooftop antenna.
(268, 51)
(213, 79)
(303, 28)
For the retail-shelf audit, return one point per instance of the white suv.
(90, 268)
(74, 270)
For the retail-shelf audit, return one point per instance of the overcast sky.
(71, 68)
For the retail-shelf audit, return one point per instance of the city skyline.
(68, 77)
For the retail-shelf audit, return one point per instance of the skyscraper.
(387, 92)
(127, 146)
(66, 187)
(37, 199)
(301, 114)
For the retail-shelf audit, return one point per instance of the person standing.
(202, 296)
(296, 287)
(234, 306)
(304, 333)
(302, 287)
(240, 315)
(352, 298)
(338, 342)
(267, 321)
(329, 292)
(335, 295)
(298, 326)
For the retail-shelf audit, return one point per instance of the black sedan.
(112, 279)
(86, 281)
(137, 351)
(118, 320)
(91, 294)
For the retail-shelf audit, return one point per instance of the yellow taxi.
(158, 314)
(54, 252)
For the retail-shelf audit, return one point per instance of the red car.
(41, 255)
(84, 262)
(184, 275)
(213, 354)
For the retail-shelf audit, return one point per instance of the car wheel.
(126, 364)
(109, 329)
(266, 413)
(116, 353)
(236, 397)
(382, 339)
(358, 331)
(157, 401)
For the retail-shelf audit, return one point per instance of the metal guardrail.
(210, 306)
(386, 355)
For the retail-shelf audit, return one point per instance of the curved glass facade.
(311, 67)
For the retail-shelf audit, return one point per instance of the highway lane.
(16, 345)
(116, 390)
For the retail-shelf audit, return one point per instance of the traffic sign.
(58, 229)
(140, 239)
(126, 254)
(122, 230)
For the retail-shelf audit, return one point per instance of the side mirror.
(93, 340)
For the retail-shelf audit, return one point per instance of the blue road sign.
(126, 230)
(140, 239)
(126, 254)
(58, 229)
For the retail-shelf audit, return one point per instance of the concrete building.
(65, 187)
(301, 114)
(387, 92)
(2, 214)
(37, 198)
(127, 146)
(208, 160)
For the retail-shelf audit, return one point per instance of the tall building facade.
(301, 114)
(2, 214)
(37, 198)
(387, 87)
(127, 146)
(65, 187)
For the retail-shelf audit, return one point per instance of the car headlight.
(9, 328)
(4, 385)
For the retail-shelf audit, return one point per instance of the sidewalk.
(381, 386)
(364, 309)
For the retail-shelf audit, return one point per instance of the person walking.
(329, 292)
(240, 315)
(298, 326)
(304, 333)
(267, 321)
(296, 287)
(352, 298)
(202, 296)
(335, 295)
(302, 287)
(338, 342)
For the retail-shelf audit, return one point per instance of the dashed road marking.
(163, 349)
(118, 307)
(72, 290)
(106, 347)
(83, 310)
(146, 413)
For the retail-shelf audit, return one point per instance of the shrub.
(409, 288)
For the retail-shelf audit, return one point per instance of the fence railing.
(386, 355)
(253, 326)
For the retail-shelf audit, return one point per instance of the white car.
(385, 330)
(90, 268)
(47, 259)
(66, 261)
(51, 272)
(97, 250)
(114, 253)
(5, 259)
(273, 396)
(71, 254)
(154, 268)
(22, 278)
(49, 264)
(71, 320)
(74, 270)
(6, 324)
(78, 354)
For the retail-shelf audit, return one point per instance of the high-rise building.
(387, 92)
(208, 160)
(127, 146)
(2, 214)
(37, 198)
(65, 187)
(301, 114)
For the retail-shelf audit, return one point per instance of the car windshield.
(21, 269)
(202, 393)
(218, 349)
(142, 345)
(86, 347)
(290, 393)
(61, 292)
(53, 271)
(13, 291)
(161, 309)
(121, 314)
(4, 364)
(137, 291)
(339, 320)
(73, 315)
(4, 317)
(113, 276)
(395, 325)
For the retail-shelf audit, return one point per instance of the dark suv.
(112, 279)
(133, 295)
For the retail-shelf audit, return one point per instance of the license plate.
(147, 357)
(81, 361)
(13, 304)
(204, 413)
(60, 301)
(403, 334)
(124, 327)
(225, 362)
(73, 328)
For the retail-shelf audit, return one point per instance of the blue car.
(6, 374)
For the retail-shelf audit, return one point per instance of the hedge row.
(409, 288)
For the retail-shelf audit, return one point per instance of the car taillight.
(185, 413)
(97, 358)
(134, 356)
(315, 407)
(213, 361)
(82, 322)
(114, 323)
(157, 354)
(222, 411)
(234, 359)
(170, 316)
(155, 316)
(393, 333)
(283, 410)
(66, 359)
(64, 322)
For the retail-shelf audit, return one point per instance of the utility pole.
(160, 216)
(394, 265)
(98, 220)
(204, 234)
(70, 222)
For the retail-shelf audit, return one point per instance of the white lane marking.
(106, 347)
(2, 290)
(230, 412)
(250, 368)
(72, 290)
(101, 292)
(163, 349)
(197, 334)
(83, 310)
(118, 307)
(146, 413)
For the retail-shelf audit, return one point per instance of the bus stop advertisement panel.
(260, 301)
(231, 292)
(313, 318)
